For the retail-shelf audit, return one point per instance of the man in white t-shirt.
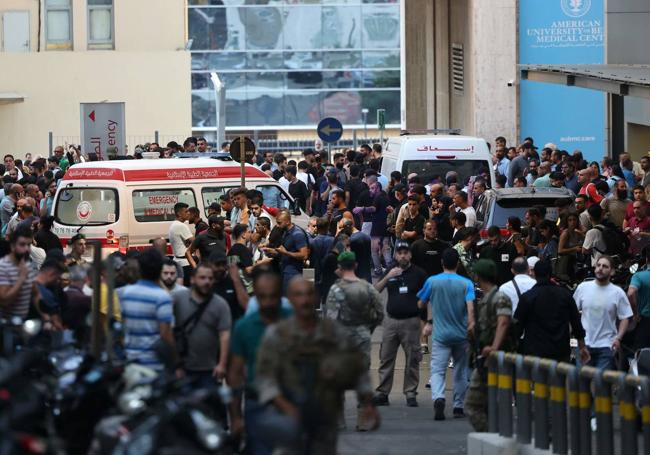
(594, 244)
(521, 282)
(602, 304)
(180, 238)
(460, 204)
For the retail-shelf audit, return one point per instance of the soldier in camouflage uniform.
(356, 304)
(490, 332)
(304, 367)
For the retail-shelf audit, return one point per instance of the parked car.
(500, 204)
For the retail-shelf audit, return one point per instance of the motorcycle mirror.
(634, 268)
(32, 327)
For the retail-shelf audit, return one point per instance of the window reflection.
(291, 62)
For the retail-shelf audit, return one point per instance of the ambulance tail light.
(123, 243)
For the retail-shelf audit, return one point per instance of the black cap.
(401, 245)
(400, 187)
(215, 206)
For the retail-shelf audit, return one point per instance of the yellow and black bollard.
(523, 387)
(558, 410)
(540, 406)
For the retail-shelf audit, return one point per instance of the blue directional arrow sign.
(329, 129)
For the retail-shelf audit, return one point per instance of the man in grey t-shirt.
(206, 329)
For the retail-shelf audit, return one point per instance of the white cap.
(551, 146)
(532, 261)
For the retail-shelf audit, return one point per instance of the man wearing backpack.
(356, 304)
(594, 244)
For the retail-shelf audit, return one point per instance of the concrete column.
(415, 62)
(493, 55)
(441, 45)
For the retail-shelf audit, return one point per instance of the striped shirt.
(144, 306)
(8, 277)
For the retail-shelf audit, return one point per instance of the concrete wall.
(139, 25)
(155, 87)
(148, 70)
(488, 106)
(628, 35)
(418, 65)
(494, 64)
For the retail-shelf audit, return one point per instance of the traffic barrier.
(554, 405)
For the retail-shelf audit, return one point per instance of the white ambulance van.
(432, 156)
(125, 204)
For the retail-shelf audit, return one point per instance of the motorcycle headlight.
(131, 403)
(210, 434)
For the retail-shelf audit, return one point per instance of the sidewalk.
(405, 430)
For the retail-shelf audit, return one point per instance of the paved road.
(405, 430)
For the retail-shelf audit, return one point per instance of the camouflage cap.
(347, 256)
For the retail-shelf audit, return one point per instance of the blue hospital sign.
(555, 32)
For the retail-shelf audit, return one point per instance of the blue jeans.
(266, 427)
(440, 354)
(602, 358)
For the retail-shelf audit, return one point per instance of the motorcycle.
(164, 416)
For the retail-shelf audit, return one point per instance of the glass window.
(265, 81)
(380, 26)
(345, 106)
(505, 208)
(302, 108)
(341, 27)
(100, 24)
(86, 206)
(158, 205)
(289, 62)
(204, 110)
(302, 28)
(58, 25)
(207, 28)
(304, 79)
(384, 59)
(342, 79)
(274, 196)
(342, 59)
(213, 194)
(381, 79)
(312, 60)
(388, 99)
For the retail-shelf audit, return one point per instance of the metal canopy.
(624, 80)
(9, 98)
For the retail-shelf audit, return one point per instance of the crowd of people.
(230, 291)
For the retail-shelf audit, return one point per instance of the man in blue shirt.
(449, 298)
(293, 251)
(147, 312)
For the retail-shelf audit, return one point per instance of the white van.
(432, 156)
(125, 204)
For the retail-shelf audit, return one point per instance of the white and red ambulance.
(125, 204)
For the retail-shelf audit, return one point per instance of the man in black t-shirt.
(211, 240)
(234, 295)
(297, 188)
(401, 325)
(354, 187)
(427, 252)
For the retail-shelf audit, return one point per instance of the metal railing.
(543, 386)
